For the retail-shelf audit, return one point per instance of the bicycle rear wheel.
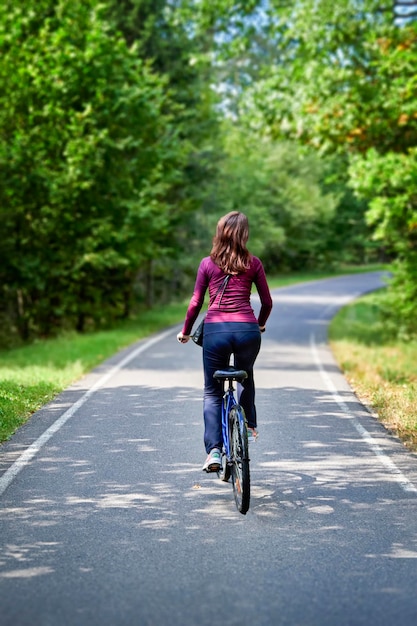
(240, 458)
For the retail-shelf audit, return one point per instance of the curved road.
(106, 518)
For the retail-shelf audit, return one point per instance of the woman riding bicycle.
(230, 326)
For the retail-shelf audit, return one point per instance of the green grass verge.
(381, 370)
(33, 374)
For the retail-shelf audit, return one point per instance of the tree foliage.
(89, 154)
(282, 192)
(344, 83)
(127, 127)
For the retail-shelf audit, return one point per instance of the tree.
(87, 153)
(281, 190)
(345, 84)
(167, 36)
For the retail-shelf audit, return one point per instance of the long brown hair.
(229, 249)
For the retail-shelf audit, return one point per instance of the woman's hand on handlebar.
(183, 338)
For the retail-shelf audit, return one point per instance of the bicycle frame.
(229, 401)
(235, 457)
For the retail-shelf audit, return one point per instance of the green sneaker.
(213, 461)
(252, 434)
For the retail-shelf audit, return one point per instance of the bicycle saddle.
(230, 373)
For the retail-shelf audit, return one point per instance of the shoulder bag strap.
(221, 288)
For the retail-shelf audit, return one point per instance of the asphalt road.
(106, 518)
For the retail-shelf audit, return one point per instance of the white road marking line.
(25, 458)
(404, 483)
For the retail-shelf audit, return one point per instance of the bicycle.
(235, 453)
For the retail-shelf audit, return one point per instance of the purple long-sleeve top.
(234, 305)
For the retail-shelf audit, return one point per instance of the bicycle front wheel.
(240, 458)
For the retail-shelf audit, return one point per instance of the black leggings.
(221, 340)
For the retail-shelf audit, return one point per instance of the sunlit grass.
(381, 370)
